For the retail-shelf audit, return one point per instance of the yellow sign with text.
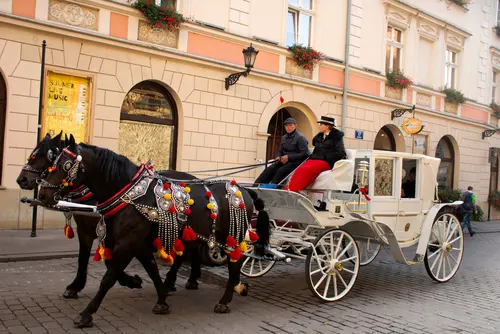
(412, 126)
(67, 100)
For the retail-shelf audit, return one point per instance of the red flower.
(164, 18)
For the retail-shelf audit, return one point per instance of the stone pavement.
(387, 298)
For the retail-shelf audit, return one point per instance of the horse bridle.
(42, 173)
(70, 167)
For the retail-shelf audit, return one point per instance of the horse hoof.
(83, 321)
(70, 294)
(221, 308)
(161, 309)
(192, 285)
(171, 289)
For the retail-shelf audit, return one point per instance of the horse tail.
(263, 222)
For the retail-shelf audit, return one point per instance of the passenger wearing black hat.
(293, 151)
(328, 149)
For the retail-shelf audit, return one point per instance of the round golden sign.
(412, 126)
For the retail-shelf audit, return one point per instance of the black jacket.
(295, 146)
(331, 149)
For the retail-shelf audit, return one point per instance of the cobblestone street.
(387, 298)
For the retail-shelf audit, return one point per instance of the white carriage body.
(386, 219)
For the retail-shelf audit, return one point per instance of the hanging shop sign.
(66, 105)
(412, 126)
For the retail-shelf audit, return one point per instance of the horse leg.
(149, 263)
(85, 245)
(121, 258)
(171, 277)
(131, 282)
(194, 256)
(223, 305)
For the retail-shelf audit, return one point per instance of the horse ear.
(72, 143)
(56, 140)
(47, 136)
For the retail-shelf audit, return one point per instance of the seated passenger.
(293, 151)
(328, 149)
(408, 190)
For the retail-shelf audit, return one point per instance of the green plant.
(496, 109)
(478, 215)
(305, 57)
(397, 79)
(454, 96)
(159, 16)
(447, 195)
(462, 3)
(494, 199)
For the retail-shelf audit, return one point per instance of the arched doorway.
(148, 125)
(389, 138)
(276, 129)
(446, 152)
(3, 111)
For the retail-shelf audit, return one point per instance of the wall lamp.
(489, 133)
(249, 54)
(400, 112)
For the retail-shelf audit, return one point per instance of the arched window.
(148, 126)
(385, 140)
(446, 153)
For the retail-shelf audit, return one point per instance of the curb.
(36, 257)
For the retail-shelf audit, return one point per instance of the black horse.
(41, 158)
(140, 205)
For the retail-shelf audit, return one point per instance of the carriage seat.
(339, 177)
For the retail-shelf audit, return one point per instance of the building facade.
(147, 92)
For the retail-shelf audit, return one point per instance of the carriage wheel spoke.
(449, 263)
(439, 265)
(338, 246)
(448, 225)
(260, 265)
(320, 281)
(433, 245)
(436, 260)
(325, 253)
(435, 253)
(327, 285)
(318, 270)
(455, 240)
(251, 266)
(452, 233)
(335, 289)
(349, 271)
(444, 265)
(453, 258)
(345, 249)
(349, 259)
(342, 279)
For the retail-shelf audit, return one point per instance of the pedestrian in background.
(468, 207)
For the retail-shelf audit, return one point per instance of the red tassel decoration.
(68, 232)
(187, 211)
(282, 100)
(172, 209)
(233, 182)
(208, 194)
(253, 236)
(242, 205)
(213, 216)
(178, 247)
(188, 234)
(157, 244)
(97, 256)
(166, 186)
(107, 254)
(235, 255)
(182, 184)
(231, 242)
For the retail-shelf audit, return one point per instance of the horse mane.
(115, 168)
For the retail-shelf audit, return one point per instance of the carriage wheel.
(332, 266)
(368, 251)
(445, 248)
(255, 267)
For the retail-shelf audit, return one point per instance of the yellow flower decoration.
(187, 189)
(210, 206)
(238, 193)
(190, 201)
(167, 196)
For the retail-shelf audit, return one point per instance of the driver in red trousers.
(328, 149)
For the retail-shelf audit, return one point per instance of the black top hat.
(290, 120)
(327, 120)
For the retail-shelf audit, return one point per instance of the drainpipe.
(346, 70)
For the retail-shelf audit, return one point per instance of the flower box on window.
(292, 68)
(454, 96)
(305, 56)
(461, 3)
(393, 93)
(496, 110)
(159, 16)
(497, 30)
(397, 80)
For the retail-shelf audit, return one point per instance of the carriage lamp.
(362, 174)
(249, 56)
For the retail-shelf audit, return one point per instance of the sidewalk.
(18, 245)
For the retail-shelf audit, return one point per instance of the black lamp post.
(249, 55)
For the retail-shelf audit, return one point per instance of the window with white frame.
(298, 24)
(450, 72)
(166, 3)
(494, 86)
(394, 49)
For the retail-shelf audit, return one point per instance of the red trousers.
(305, 175)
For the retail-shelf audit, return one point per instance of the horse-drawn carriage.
(362, 208)
(365, 210)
